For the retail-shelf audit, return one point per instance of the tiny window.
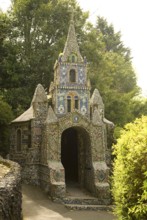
(73, 59)
(18, 140)
(68, 104)
(72, 75)
(76, 102)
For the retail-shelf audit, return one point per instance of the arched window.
(18, 140)
(68, 103)
(72, 75)
(73, 60)
(76, 102)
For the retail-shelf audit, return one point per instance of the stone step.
(89, 207)
(85, 201)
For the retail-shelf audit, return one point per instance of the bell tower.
(71, 89)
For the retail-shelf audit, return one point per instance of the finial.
(72, 15)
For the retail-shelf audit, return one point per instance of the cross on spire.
(72, 15)
(71, 45)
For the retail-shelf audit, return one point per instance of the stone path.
(37, 206)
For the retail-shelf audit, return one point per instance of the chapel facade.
(63, 137)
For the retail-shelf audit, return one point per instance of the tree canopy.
(110, 70)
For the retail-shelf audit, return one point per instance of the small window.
(76, 102)
(18, 140)
(29, 141)
(73, 59)
(68, 104)
(72, 75)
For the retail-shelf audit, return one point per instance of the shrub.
(129, 180)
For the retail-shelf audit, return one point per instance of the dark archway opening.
(69, 155)
(76, 159)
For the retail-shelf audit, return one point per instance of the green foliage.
(117, 132)
(111, 39)
(130, 172)
(5, 118)
(110, 70)
(138, 107)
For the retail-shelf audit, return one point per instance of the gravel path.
(37, 206)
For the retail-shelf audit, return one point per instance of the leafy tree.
(111, 39)
(11, 77)
(111, 70)
(5, 118)
(130, 172)
(40, 29)
(138, 107)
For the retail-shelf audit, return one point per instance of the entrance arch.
(76, 156)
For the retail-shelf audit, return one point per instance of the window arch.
(72, 58)
(72, 75)
(19, 140)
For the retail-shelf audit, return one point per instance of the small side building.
(63, 140)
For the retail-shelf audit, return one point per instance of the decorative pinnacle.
(72, 16)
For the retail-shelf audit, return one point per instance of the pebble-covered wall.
(10, 192)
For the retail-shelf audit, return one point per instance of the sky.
(127, 16)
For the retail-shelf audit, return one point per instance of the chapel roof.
(26, 116)
(39, 96)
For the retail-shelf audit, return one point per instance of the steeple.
(71, 89)
(71, 45)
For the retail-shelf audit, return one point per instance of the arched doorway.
(69, 154)
(76, 157)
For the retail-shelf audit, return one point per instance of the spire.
(51, 117)
(96, 99)
(96, 117)
(39, 95)
(71, 45)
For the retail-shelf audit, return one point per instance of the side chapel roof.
(71, 45)
(26, 116)
(39, 96)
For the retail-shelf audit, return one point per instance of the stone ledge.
(89, 207)
(10, 192)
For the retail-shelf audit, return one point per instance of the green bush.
(5, 118)
(129, 181)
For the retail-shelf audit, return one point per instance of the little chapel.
(62, 138)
